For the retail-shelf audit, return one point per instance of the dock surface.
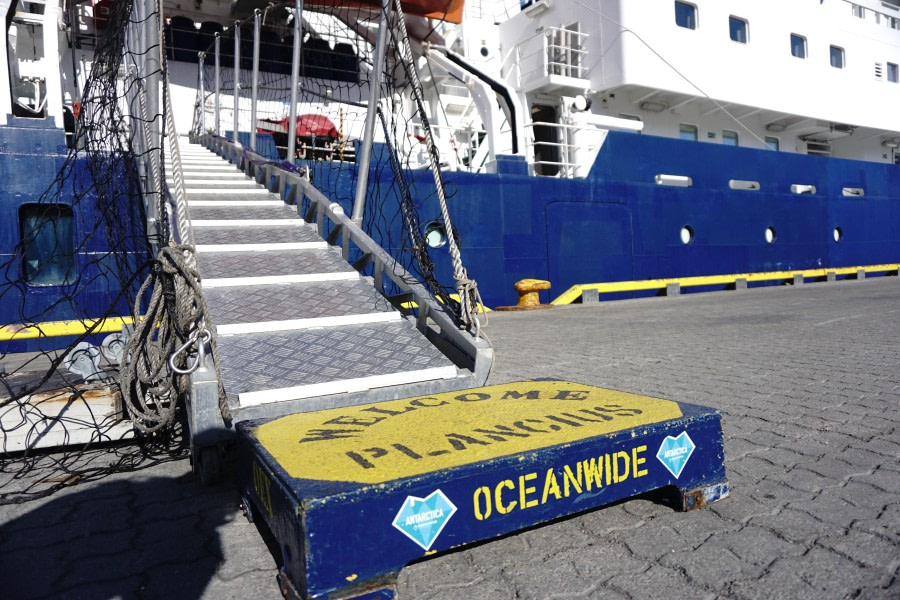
(807, 382)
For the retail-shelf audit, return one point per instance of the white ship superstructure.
(808, 76)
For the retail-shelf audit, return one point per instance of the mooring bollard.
(529, 295)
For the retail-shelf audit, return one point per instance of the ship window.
(738, 29)
(48, 246)
(893, 73)
(630, 118)
(685, 15)
(858, 11)
(729, 138)
(798, 46)
(772, 143)
(837, 57)
(687, 132)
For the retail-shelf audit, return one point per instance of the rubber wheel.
(209, 465)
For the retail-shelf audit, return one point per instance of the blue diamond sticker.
(674, 452)
(423, 519)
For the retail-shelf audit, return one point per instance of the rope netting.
(70, 284)
(408, 192)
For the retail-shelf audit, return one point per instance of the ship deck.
(805, 378)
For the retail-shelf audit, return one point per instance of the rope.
(469, 297)
(156, 358)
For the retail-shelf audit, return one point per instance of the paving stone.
(812, 446)
(816, 575)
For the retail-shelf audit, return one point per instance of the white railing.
(571, 155)
(551, 51)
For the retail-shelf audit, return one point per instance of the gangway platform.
(353, 494)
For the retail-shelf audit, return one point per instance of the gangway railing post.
(254, 92)
(218, 84)
(237, 79)
(202, 62)
(152, 89)
(295, 81)
(362, 181)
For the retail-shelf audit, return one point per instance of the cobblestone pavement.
(805, 378)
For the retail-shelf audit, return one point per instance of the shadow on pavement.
(141, 537)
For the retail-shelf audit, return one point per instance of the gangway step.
(302, 302)
(353, 494)
(277, 367)
(255, 265)
(285, 231)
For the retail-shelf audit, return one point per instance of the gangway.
(298, 327)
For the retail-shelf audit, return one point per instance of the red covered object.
(309, 125)
(445, 10)
(102, 9)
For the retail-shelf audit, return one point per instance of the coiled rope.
(157, 358)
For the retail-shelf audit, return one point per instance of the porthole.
(838, 234)
(687, 234)
(435, 235)
(770, 235)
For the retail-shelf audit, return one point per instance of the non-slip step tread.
(271, 361)
(302, 232)
(214, 265)
(282, 302)
(256, 194)
(238, 213)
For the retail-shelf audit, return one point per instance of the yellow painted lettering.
(551, 486)
(482, 507)
(608, 469)
(498, 497)
(593, 472)
(570, 479)
(637, 461)
(524, 490)
(621, 474)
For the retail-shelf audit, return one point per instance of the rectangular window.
(685, 15)
(859, 11)
(837, 57)
(48, 255)
(737, 29)
(772, 143)
(798, 46)
(729, 138)
(630, 118)
(893, 73)
(687, 132)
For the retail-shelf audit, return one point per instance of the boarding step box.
(353, 494)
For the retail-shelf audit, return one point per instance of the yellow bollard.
(529, 295)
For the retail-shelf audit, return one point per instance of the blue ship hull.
(106, 254)
(617, 224)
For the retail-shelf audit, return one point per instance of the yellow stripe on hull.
(574, 292)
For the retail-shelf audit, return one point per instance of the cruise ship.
(581, 141)
(605, 141)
